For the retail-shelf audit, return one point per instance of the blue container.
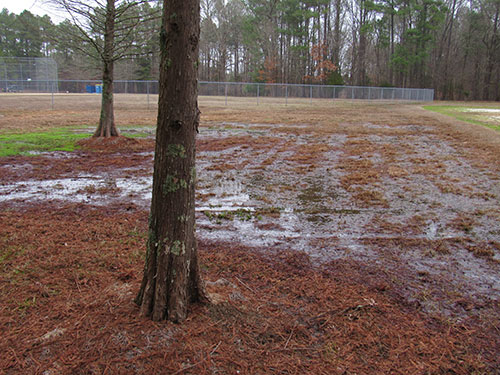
(98, 89)
(90, 89)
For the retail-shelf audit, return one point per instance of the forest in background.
(452, 46)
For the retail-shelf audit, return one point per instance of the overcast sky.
(34, 6)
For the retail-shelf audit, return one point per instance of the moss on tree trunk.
(171, 276)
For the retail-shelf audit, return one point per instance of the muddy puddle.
(83, 189)
(398, 198)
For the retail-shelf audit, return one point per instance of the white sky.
(37, 7)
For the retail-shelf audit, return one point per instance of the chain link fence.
(35, 73)
(226, 89)
(277, 90)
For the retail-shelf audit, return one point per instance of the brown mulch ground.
(69, 275)
(122, 144)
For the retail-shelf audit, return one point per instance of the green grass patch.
(135, 134)
(52, 140)
(27, 143)
(460, 112)
(137, 131)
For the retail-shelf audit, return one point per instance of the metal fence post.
(311, 94)
(286, 95)
(5, 76)
(52, 94)
(147, 92)
(258, 93)
(225, 93)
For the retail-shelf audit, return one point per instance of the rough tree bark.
(337, 32)
(171, 275)
(107, 126)
(491, 45)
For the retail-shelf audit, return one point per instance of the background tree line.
(75, 45)
(452, 46)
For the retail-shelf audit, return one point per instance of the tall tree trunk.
(209, 61)
(171, 275)
(448, 87)
(107, 126)
(477, 75)
(337, 33)
(236, 62)
(391, 66)
(221, 64)
(491, 46)
(497, 86)
(361, 77)
(487, 78)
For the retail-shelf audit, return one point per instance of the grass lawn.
(58, 139)
(484, 114)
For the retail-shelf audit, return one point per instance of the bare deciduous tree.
(106, 28)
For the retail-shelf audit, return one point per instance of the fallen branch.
(245, 285)
(290, 336)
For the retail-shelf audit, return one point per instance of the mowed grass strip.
(471, 114)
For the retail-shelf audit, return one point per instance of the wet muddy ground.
(399, 198)
(413, 201)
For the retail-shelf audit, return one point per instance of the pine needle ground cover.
(337, 238)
